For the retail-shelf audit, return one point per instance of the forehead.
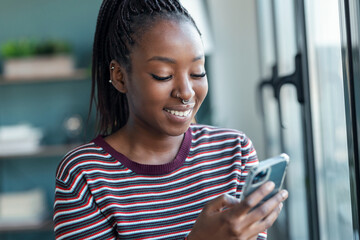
(169, 38)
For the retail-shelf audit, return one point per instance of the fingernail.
(281, 206)
(284, 194)
(270, 185)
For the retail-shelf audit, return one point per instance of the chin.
(177, 131)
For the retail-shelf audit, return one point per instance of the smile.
(179, 113)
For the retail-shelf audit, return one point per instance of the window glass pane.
(285, 35)
(293, 221)
(295, 181)
(267, 61)
(272, 126)
(266, 36)
(327, 96)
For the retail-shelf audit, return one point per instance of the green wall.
(44, 104)
(47, 104)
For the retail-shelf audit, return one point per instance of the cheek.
(148, 93)
(201, 89)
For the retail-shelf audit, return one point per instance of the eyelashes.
(161, 78)
(201, 75)
(197, 76)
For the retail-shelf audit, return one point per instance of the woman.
(151, 174)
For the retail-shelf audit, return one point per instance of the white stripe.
(218, 134)
(170, 235)
(75, 151)
(204, 154)
(138, 222)
(93, 155)
(78, 177)
(75, 233)
(59, 202)
(220, 142)
(137, 231)
(74, 211)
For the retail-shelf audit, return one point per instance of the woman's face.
(167, 65)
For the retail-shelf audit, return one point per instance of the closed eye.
(161, 78)
(198, 75)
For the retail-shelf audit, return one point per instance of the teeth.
(179, 113)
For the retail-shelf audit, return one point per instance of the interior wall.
(234, 68)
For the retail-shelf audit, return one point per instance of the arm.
(227, 218)
(76, 215)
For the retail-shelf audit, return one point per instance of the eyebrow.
(171, 60)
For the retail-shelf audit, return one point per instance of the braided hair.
(119, 25)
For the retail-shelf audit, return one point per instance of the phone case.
(272, 169)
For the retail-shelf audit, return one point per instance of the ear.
(118, 76)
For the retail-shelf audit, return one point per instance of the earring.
(112, 67)
(110, 81)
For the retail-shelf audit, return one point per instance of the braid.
(119, 24)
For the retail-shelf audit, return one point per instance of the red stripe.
(214, 134)
(159, 227)
(218, 141)
(213, 151)
(89, 170)
(78, 229)
(86, 237)
(157, 218)
(164, 235)
(92, 154)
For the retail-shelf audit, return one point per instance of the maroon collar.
(150, 169)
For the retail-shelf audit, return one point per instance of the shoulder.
(213, 133)
(221, 138)
(79, 159)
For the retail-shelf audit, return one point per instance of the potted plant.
(33, 59)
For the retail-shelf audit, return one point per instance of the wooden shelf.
(80, 74)
(39, 226)
(43, 151)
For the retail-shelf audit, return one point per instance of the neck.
(136, 142)
(152, 142)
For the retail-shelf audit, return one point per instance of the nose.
(184, 88)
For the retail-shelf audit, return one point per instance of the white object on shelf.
(19, 139)
(19, 208)
(39, 67)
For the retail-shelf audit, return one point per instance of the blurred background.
(285, 72)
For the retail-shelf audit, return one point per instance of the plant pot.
(39, 67)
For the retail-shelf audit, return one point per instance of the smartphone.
(272, 169)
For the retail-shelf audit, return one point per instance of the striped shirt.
(101, 194)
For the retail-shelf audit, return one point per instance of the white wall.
(234, 68)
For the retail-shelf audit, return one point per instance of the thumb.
(221, 203)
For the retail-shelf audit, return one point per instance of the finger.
(220, 203)
(268, 207)
(253, 199)
(265, 223)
